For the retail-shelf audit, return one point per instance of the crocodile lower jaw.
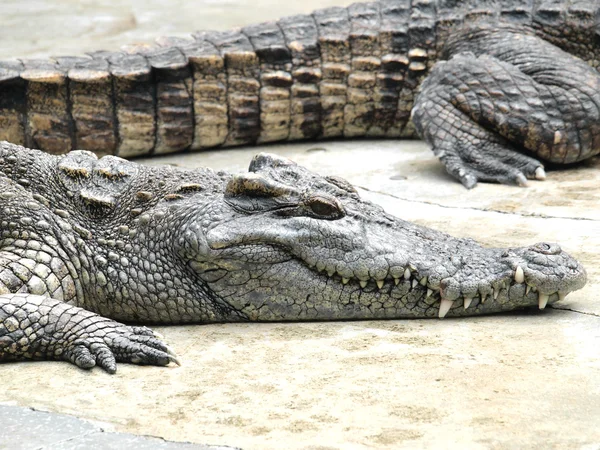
(417, 282)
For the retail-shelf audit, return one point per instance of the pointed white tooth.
(423, 281)
(429, 292)
(542, 300)
(414, 283)
(467, 302)
(345, 280)
(540, 173)
(445, 306)
(407, 274)
(363, 284)
(331, 273)
(483, 297)
(561, 296)
(519, 275)
(396, 281)
(527, 289)
(496, 293)
(379, 284)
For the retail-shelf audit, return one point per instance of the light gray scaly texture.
(504, 84)
(86, 242)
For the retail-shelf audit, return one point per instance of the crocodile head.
(282, 243)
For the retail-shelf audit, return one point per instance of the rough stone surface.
(526, 380)
(62, 432)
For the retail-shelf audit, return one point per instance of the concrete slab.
(25, 429)
(526, 380)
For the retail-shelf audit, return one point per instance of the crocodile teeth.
(542, 300)
(467, 302)
(445, 306)
(561, 296)
(540, 173)
(363, 284)
(483, 297)
(527, 289)
(423, 281)
(519, 275)
(407, 274)
(414, 283)
(379, 283)
(331, 273)
(396, 281)
(345, 280)
(429, 292)
(496, 293)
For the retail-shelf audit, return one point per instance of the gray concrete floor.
(524, 380)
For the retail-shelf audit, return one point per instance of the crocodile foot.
(510, 93)
(111, 342)
(486, 160)
(38, 327)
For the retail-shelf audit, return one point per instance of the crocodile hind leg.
(38, 327)
(514, 93)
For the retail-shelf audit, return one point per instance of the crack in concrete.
(471, 208)
(575, 311)
(64, 441)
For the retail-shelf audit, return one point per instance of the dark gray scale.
(174, 98)
(275, 80)
(13, 102)
(422, 54)
(49, 125)
(549, 17)
(91, 100)
(243, 86)
(482, 11)
(449, 18)
(517, 11)
(302, 39)
(134, 103)
(394, 46)
(334, 28)
(210, 93)
(363, 96)
(580, 32)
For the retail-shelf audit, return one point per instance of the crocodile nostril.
(546, 248)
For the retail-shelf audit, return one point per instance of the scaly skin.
(514, 76)
(108, 240)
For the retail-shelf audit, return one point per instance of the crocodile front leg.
(504, 92)
(38, 327)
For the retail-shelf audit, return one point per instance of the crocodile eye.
(325, 208)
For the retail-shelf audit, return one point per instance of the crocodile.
(494, 86)
(104, 241)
